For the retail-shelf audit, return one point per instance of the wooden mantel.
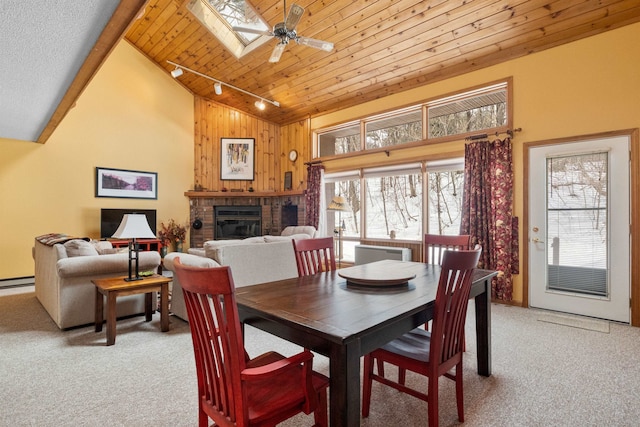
(212, 194)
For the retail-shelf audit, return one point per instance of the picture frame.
(122, 183)
(288, 180)
(237, 159)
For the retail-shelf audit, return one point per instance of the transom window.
(480, 110)
(466, 112)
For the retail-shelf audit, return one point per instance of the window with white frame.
(397, 202)
(445, 183)
(393, 202)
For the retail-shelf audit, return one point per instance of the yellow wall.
(131, 116)
(585, 87)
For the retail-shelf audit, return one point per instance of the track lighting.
(217, 87)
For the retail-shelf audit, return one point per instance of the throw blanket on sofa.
(53, 238)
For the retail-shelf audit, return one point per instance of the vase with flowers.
(172, 235)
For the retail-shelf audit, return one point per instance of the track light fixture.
(217, 87)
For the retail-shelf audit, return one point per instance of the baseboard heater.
(365, 254)
(18, 281)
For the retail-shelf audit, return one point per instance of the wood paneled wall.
(214, 121)
(296, 136)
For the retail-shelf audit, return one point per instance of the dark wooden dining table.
(344, 322)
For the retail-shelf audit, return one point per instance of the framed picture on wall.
(122, 183)
(237, 159)
(287, 180)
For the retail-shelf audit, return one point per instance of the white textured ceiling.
(43, 44)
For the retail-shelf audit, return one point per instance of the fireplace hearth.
(237, 222)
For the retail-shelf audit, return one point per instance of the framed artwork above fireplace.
(237, 159)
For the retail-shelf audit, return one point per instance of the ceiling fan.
(285, 31)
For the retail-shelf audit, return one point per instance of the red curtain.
(312, 195)
(488, 211)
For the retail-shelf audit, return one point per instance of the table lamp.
(339, 204)
(134, 226)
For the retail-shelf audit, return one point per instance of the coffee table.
(114, 287)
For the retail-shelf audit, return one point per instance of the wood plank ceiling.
(381, 47)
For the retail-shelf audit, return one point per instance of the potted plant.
(172, 235)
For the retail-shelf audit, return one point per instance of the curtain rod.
(484, 135)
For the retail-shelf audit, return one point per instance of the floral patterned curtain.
(487, 211)
(313, 195)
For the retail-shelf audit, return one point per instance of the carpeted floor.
(544, 374)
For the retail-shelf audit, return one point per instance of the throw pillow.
(77, 247)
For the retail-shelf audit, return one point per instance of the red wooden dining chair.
(436, 244)
(314, 255)
(234, 390)
(432, 354)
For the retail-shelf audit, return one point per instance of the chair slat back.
(436, 244)
(454, 286)
(314, 255)
(209, 295)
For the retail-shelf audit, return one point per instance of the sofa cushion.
(188, 259)
(77, 247)
(104, 247)
(273, 239)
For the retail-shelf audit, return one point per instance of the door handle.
(536, 240)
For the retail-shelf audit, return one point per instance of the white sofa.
(253, 260)
(63, 274)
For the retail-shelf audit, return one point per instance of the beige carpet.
(544, 374)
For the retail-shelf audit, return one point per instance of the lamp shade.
(134, 226)
(339, 203)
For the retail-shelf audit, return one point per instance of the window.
(445, 182)
(482, 110)
(342, 140)
(393, 202)
(220, 16)
(397, 129)
(390, 201)
(472, 111)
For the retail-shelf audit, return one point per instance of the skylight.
(220, 16)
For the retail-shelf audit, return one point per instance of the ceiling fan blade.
(252, 31)
(294, 16)
(318, 44)
(277, 52)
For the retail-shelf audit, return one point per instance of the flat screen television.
(110, 219)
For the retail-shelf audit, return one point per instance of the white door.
(579, 228)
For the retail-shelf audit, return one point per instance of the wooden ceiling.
(381, 47)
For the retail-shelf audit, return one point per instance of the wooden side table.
(114, 287)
